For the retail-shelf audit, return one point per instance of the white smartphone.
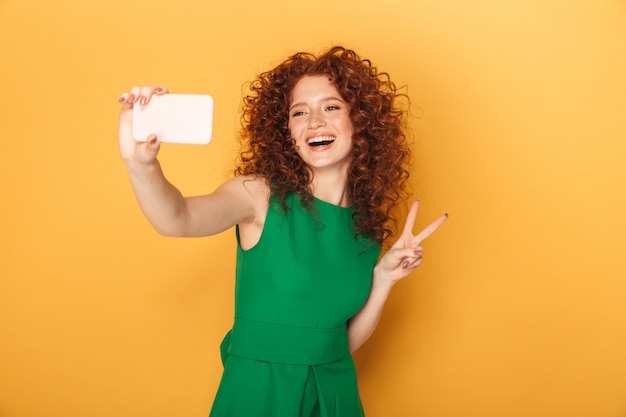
(175, 118)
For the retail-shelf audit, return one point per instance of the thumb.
(153, 145)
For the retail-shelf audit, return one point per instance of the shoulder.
(246, 186)
(257, 191)
(256, 185)
(252, 191)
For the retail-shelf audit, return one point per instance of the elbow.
(169, 230)
(354, 345)
(173, 224)
(355, 341)
(166, 233)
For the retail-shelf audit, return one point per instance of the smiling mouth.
(320, 141)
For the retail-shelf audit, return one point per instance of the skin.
(318, 112)
(316, 109)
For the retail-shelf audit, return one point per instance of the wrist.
(138, 167)
(381, 281)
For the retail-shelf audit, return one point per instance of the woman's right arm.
(171, 214)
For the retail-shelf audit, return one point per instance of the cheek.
(293, 128)
(348, 127)
(346, 123)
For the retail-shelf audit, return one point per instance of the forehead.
(313, 85)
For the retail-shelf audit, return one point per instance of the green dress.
(287, 354)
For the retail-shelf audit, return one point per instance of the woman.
(321, 170)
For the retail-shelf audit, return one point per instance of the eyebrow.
(330, 98)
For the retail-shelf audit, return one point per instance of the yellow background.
(520, 307)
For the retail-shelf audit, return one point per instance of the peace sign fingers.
(430, 229)
(410, 219)
(406, 253)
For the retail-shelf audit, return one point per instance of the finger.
(430, 229)
(410, 218)
(134, 95)
(157, 90)
(148, 91)
(413, 264)
(161, 90)
(127, 106)
(127, 97)
(397, 257)
(123, 97)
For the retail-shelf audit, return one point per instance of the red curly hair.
(378, 171)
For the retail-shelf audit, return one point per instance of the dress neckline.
(326, 203)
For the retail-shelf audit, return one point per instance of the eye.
(297, 113)
(332, 107)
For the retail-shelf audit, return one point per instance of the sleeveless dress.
(287, 354)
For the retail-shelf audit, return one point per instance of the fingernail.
(418, 253)
(142, 101)
(121, 99)
(131, 98)
(158, 89)
(405, 264)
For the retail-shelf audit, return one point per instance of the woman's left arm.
(402, 258)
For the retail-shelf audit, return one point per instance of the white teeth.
(318, 139)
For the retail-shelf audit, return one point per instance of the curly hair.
(378, 171)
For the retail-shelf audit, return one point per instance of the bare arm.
(171, 214)
(402, 258)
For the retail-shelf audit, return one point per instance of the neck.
(331, 188)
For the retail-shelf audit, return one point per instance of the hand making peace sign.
(406, 253)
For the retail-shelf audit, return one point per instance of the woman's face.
(319, 122)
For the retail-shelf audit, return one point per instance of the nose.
(316, 120)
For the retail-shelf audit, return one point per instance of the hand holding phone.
(175, 118)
